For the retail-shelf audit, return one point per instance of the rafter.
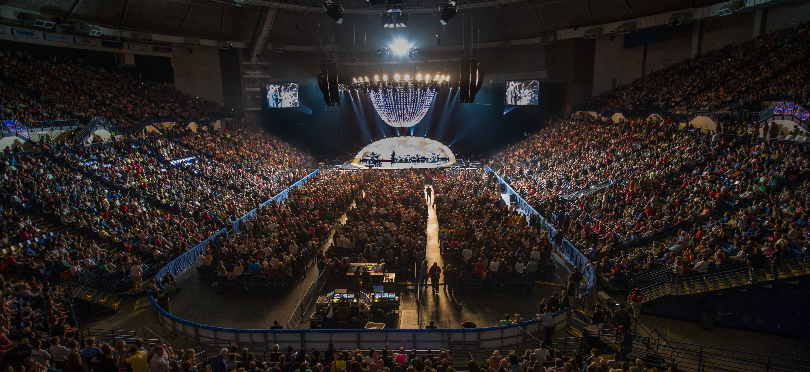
(185, 17)
(222, 24)
(124, 14)
(632, 12)
(537, 15)
(590, 14)
(72, 9)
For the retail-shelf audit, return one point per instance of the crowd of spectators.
(385, 225)
(479, 235)
(281, 240)
(62, 88)
(745, 74)
(704, 200)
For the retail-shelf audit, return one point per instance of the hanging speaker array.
(470, 80)
(328, 83)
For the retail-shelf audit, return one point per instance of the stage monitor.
(522, 93)
(282, 95)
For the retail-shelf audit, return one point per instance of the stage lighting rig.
(403, 101)
(334, 11)
(448, 11)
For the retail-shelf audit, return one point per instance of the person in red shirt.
(635, 301)
(435, 273)
(479, 268)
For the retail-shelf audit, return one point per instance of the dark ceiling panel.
(100, 12)
(49, 7)
(203, 21)
(609, 11)
(240, 24)
(160, 16)
(645, 8)
(564, 14)
(521, 22)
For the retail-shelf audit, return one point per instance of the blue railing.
(488, 337)
(567, 250)
(277, 199)
(182, 262)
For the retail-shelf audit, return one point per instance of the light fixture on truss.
(403, 101)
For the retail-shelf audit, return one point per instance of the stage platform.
(404, 152)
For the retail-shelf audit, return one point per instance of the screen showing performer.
(522, 92)
(282, 95)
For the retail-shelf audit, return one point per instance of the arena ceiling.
(239, 19)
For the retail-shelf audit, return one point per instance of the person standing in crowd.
(547, 319)
(635, 301)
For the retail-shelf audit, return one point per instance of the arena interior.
(404, 185)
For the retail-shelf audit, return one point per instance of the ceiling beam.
(537, 15)
(185, 17)
(222, 24)
(632, 12)
(72, 8)
(590, 13)
(263, 33)
(124, 14)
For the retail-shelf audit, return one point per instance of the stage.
(404, 152)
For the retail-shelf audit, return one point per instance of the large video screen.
(282, 95)
(522, 92)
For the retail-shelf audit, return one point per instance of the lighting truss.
(403, 102)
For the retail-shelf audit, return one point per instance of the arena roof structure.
(242, 20)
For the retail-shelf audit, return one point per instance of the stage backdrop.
(475, 129)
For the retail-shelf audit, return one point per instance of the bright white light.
(354, 80)
(407, 77)
(418, 76)
(385, 77)
(427, 77)
(396, 77)
(400, 46)
(376, 77)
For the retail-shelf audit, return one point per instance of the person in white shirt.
(159, 362)
(59, 353)
(702, 266)
(519, 266)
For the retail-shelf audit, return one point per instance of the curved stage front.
(404, 152)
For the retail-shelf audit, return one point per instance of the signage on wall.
(112, 44)
(18, 32)
(56, 37)
(138, 47)
(162, 49)
(2, 30)
(84, 41)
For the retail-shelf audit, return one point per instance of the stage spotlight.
(402, 20)
(407, 77)
(427, 77)
(366, 79)
(400, 46)
(418, 76)
(385, 77)
(396, 77)
(376, 77)
(387, 20)
(354, 80)
(334, 11)
(448, 11)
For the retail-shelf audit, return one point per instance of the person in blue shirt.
(254, 267)
(218, 363)
(90, 351)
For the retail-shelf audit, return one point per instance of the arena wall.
(198, 74)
